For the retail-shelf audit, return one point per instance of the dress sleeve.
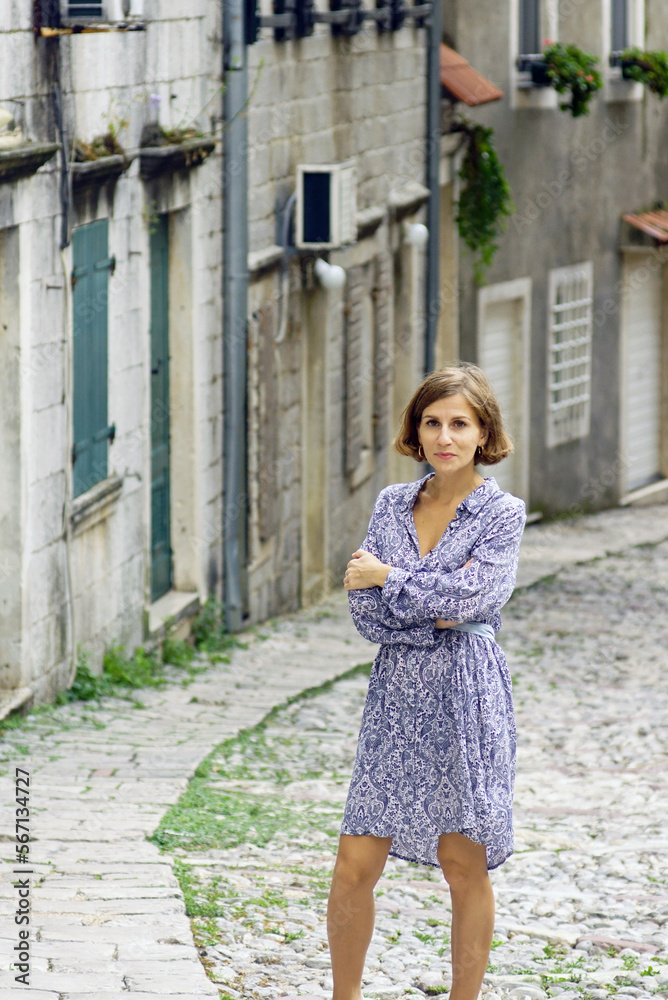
(371, 616)
(467, 594)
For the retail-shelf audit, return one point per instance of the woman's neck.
(448, 489)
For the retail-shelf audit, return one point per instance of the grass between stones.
(123, 673)
(267, 787)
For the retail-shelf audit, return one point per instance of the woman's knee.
(361, 859)
(462, 861)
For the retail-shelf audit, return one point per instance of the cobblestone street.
(582, 906)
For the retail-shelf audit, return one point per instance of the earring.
(422, 456)
(478, 453)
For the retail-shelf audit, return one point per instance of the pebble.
(580, 911)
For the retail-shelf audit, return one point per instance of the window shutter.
(383, 348)
(268, 471)
(619, 24)
(354, 331)
(90, 279)
(530, 40)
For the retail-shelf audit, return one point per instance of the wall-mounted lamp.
(330, 276)
(416, 233)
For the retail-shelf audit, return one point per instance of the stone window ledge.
(407, 200)
(96, 172)
(95, 504)
(369, 220)
(156, 160)
(23, 161)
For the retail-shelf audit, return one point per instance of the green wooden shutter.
(161, 552)
(90, 279)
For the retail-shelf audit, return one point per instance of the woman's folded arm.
(461, 595)
(371, 617)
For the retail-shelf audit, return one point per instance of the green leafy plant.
(648, 68)
(485, 198)
(106, 144)
(209, 633)
(570, 69)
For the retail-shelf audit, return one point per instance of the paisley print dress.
(437, 742)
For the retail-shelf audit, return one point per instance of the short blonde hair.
(469, 380)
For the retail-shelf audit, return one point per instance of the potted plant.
(648, 68)
(572, 70)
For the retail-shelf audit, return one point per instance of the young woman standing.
(434, 771)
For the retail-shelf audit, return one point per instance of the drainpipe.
(235, 312)
(433, 157)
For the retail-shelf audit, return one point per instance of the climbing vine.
(485, 198)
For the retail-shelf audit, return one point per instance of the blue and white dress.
(437, 743)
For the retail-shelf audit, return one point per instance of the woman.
(434, 770)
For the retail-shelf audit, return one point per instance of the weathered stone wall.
(326, 100)
(88, 585)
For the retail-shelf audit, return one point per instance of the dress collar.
(473, 502)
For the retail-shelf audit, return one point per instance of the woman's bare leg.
(350, 909)
(464, 864)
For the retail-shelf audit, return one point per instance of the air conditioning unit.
(101, 11)
(326, 206)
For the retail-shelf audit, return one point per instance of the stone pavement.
(108, 919)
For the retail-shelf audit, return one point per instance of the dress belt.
(480, 628)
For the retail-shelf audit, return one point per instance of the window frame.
(616, 88)
(523, 92)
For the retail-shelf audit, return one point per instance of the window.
(619, 24)
(529, 27)
(90, 278)
(532, 22)
(82, 8)
(569, 353)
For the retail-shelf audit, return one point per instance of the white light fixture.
(416, 233)
(330, 276)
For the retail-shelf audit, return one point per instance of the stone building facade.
(569, 260)
(113, 424)
(87, 291)
(333, 368)
(111, 297)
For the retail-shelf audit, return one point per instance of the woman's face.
(449, 432)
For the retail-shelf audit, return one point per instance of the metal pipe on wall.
(235, 312)
(433, 158)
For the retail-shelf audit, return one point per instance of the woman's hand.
(439, 623)
(364, 570)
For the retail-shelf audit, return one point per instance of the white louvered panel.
(642, 352)
(500, 336)
(569, 352)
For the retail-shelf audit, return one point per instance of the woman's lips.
(446, 454)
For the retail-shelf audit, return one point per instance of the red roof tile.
(464, 82)
(653, 223)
